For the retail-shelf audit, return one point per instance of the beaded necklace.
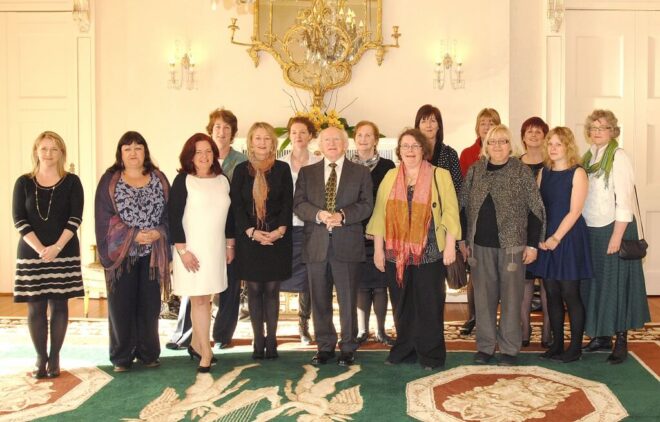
(50, 200)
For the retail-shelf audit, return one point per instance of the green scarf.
(604, 166)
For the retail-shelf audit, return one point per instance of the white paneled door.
(613, 62)
(41, 93)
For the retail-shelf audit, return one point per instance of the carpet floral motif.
(513, 400)
(309, 397)
(20, 392)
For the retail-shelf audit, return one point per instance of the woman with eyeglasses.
(504, 217)
(415, 225)
(615, 298)
(486, 119)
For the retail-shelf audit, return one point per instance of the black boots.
(598, 343)
(303, 330)
(620, 350)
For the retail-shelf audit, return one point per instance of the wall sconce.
(81, 14)
(450, 64)
(555, 14)
(181, 70)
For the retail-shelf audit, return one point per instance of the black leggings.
(264, 305)
(38, 326)
(568, 291)
(366, 297)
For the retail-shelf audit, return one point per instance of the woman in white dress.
(199, 210)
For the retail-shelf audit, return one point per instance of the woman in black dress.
(47, 210)
(373, 283)
(262, 201)
(132, 238)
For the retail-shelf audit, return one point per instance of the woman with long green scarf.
(615, 299)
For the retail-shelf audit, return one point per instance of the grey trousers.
(345, 278)
(495, 282)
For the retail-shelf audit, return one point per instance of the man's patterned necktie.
(331, 189)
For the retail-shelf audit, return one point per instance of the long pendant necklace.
(36, 197)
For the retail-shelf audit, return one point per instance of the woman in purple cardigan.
(131, 236)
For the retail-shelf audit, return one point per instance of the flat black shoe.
(346, 359)
(566, 358)
(222, 345)
(172, 345)
(385, 339)
(152, 364)
(598, 343)
(525, 343)
(467, 328)
(361, 338)
(481, 358)
(321, 358)
(550, 354)
(507, 360)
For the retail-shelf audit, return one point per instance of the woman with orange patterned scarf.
(415, 225)
(262, 201)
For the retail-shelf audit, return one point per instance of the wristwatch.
(181, 251)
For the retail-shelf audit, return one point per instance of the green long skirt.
(615, 298)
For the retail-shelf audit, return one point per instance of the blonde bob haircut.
(59, 142)
(497, 131)
(567, 139)
(487, 113)
(601, 114)
(373, 127)
(271, 133)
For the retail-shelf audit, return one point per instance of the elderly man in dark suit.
(332, 197)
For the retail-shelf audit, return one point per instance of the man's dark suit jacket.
(354, 198)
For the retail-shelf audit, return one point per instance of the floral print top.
(141, 207)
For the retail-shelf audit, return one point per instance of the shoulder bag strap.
(639, 211)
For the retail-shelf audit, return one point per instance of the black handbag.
(634, 249)
(456, 271)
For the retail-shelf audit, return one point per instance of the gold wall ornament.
(317, 42)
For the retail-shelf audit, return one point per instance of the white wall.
(134, 40)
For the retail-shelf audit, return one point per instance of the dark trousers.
(133, 310)
(304, 305)
(344, 276)
(419, 314)
(227, 316)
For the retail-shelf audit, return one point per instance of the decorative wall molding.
(35, 5)
(612, 5)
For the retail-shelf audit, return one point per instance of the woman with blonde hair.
(615, 298)
(505, 219)
(565, 257)
(262, 202)
(47, 208)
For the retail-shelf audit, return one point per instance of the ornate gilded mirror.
(317, 42)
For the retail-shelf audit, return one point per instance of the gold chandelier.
(317, 43)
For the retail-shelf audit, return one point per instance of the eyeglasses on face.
(596, 129)
(412, 147)
(499, 142)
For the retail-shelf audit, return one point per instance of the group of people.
(358, 225)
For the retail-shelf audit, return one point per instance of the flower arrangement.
(321, 119)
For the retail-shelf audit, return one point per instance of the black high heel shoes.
(194, 355)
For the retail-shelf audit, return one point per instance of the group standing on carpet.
(358, 225)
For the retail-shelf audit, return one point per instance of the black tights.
(365, 298)
(264, 305)
(560, 291)
(38, 326)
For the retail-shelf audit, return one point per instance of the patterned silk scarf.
(604, 165)
(260, 188)
(406, 230)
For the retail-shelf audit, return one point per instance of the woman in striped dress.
(47, 210)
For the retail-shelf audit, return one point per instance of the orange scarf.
(406, 232)
(260, 187)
